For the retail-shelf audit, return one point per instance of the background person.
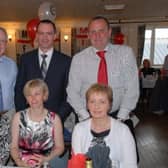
(158, 101)
(8, 72)
(102, 138)
(37, 134)
(147, 69)
(148, 77)
(164, 69)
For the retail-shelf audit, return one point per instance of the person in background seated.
(8, 72)
(147, 69)
(37, 135)
(146, 72)
(103, 139)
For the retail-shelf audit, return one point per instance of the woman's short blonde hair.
(36, 83)
(100, 88)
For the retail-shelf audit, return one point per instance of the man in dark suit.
(57, 66)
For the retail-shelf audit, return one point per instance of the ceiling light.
(114, 7)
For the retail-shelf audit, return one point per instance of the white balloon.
(47, 11)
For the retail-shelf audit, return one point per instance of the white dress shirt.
(122, 77)
(48, 58)
(8, 72)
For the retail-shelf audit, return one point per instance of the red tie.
(102, 72)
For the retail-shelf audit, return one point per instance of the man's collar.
(49, 52)
(1, 57)
(105, 49)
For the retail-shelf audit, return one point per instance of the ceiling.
(24, 10)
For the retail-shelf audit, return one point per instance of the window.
(156, 45)
(147, 44)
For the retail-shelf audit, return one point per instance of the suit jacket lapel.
(37, 63)
(51, 66)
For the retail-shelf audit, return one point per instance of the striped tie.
(44, 66)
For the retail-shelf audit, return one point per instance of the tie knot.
(43, 56)
(101, 54)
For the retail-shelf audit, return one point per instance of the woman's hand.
(39, 159)
(22, 163)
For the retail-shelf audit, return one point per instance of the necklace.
(101, 126)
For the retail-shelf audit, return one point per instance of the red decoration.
(119, 38)
(83, 30)
(77, 161)
(23, 41)
(82, 36)
(32, 27)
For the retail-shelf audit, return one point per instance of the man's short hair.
(99, 18)
(47, 21)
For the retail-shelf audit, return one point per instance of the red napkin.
(77, 161)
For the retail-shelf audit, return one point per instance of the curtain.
(141, 40)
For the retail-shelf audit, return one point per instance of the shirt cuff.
(123, 114)
(83, 114)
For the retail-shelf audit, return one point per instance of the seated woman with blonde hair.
(108, 142)
(37, 135)
(147, 69)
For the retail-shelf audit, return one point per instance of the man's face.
(45, 36)
(99, 34)
(3, 42)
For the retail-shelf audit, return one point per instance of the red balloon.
(119, 38)
(32, 27)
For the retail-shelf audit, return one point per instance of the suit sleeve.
(20, 102)
(65, 108)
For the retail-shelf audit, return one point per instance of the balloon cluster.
(32, 27)
(46, 11)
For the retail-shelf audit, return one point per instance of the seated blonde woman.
(105, 140)
(147, 69)
(37, 135)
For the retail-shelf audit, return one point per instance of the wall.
(129, 30)
(11, 28)
(64, 26)
(130, 33)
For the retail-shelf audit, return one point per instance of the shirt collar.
(48, 53)
(105, 49)
(2, 58)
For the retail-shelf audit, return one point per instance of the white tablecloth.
(149, 81)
